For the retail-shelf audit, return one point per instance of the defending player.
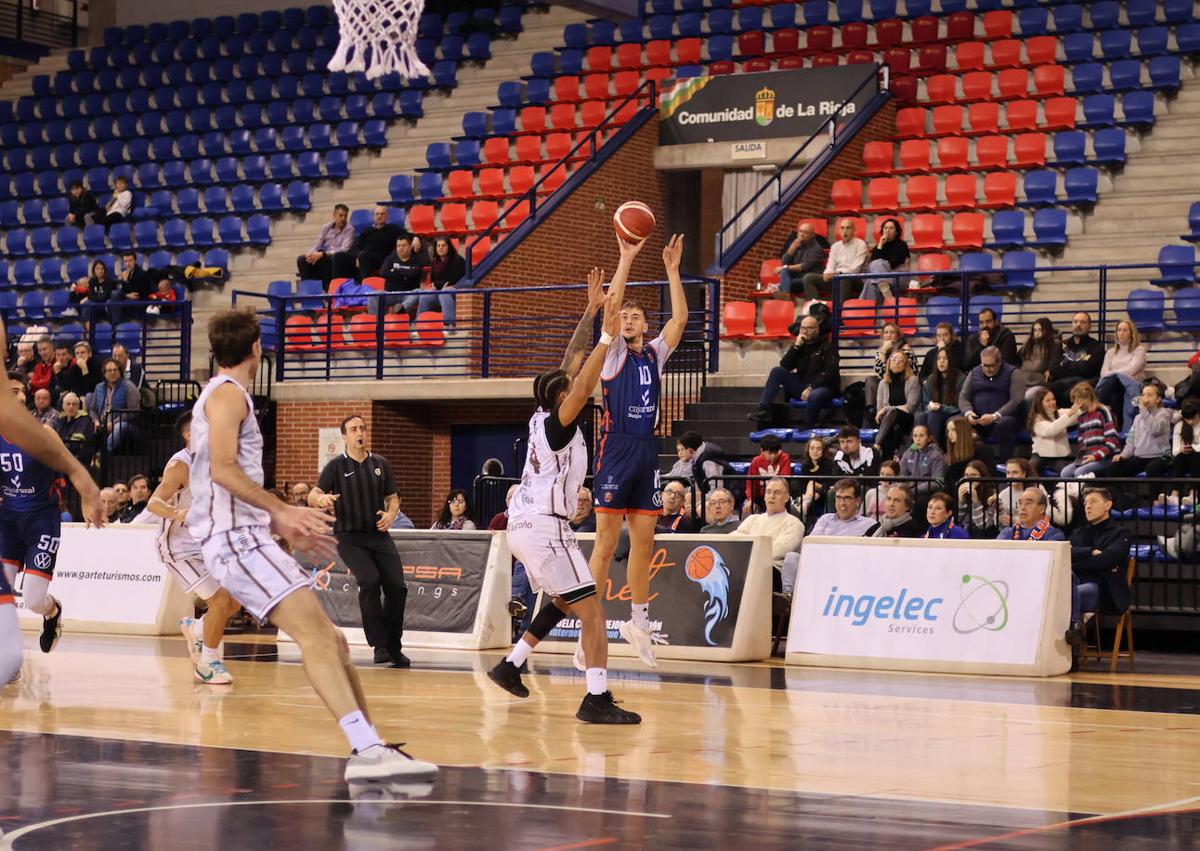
(538, 528)
(232, 516)
(626, 480)
(179, 551)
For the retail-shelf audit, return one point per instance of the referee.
(358, 488)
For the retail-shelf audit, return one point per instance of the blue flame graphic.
(716, 588)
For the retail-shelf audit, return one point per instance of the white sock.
(641, 615)
(360, 733)
(520, 652)
(209, 655)
(597, 680)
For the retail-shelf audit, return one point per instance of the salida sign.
(773, 104)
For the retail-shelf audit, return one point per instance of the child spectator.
(1097, 440)
(771, 461)
(165, 294)
(923, 460)
(119, 205)
(1048, 427)
(82, 208)
(817, 466)
(875, 499)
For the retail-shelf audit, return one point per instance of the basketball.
(633, 221)
(699, 563)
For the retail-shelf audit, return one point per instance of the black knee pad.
(545, 620)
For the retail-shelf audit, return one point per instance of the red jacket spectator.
(761, 465)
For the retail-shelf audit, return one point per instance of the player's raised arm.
(585, 382)
(175, 479)
(573, 358)
(672, 254)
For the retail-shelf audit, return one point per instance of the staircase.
(720, 416)
(20, 83)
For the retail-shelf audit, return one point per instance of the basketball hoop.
(378, 37)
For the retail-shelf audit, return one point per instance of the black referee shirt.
(362, 489)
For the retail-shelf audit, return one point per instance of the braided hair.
(547, 386)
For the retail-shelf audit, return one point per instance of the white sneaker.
(194, 644)
(579, 659)
(639, 639)
(385, 762)
(213, 673)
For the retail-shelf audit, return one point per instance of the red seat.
(491, 182)
(454, 216)
(999, 190)
(1029, 150)
(846, 196)
(976, 85)
(969, 56)
(658, 52)
(1020, 115)
(461, 183)
(687, 50)
(941, 88)
(562, 116)
(883, 193)
(914, 155)
(330, 333)
(924, 30)
(430, 328)
(566, 88)
(479, 250)
(375, 283)
(902, 311)
(921, 192)
(592, 112)
(960, 191)
(991, 152)
(395, 331)
(495, 150)
(998, 24)
(819, 226)
(777, 315)
(1013, 83)
(520, 179)
(889, 33)
(738, 318)
(1059, 113)
(952, 154)
(860, 57)
(629, 56)
(596, 86)
(599, 58)
(756, 65)
(723, 67)
(785, 41)
(658, 75)
(931, 59)
(898, 59)
(529, 149)
(825, 60)
(558, 145)
(515, 216)
(854, 35)
(967, 230)
(768, 273)
(818, 39)
(787, 63)
(749, 44)
(877, 157)
(983, 118)
(1006, 53)
(362, 331)
(860, 225)
(420, 219)
(858, 317)
(960, 26)
(298, 334)
(932, 263)
(926, 232)
(626, 111)
(1041, 50)
(626, 82)
(483, 215)
(904, 89)
(1049, 80)
(554, 177)
(947, 120)
(910, 122)
(533, 119)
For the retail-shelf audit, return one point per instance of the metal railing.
(163, 344)
(21, 21)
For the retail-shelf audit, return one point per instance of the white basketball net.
(378, 37)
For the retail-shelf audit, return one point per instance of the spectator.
(96, 290)
(108, 502)
(1122, 373)
(785, 530)
(1149, 437)
(162, 296)
(847, 256)
(991, 398)
(1032, 523)
(1021, 474)
(673, 517)
(132, 371)
(718, 508)
(1185, 448)
(114, 403)
(41, 376)
(690, 448)
(1099, 561)
(403, 521)
(816, 467)
(939, 514)
(898, 520)
(891, 339)
(43, 408)
(27, 358)
(944, 340)
(61, 366)
(1097, 441)
(923, 460)
(85, 373)
(139, 496)
(135, 283)
(121, 489)
(82, 208)
(374, 244)
(76, 429)
(803, 258)
(299, 493)
(852, 458)
(875, 498)
(896, 401)
(119, 206)
(890, 254)
(846, 519)
(962, 448)
(331, 256)
(455, 513)
(1080, 359)
(584, 519)
(402, 271)
(492, 468)
(939, 394)
(771, 461)
(1048, 428)
(446, 269)
(990, 333)
(977, 501)
(808, 371)
(1039, 352)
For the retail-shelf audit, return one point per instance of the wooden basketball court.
(108, 743)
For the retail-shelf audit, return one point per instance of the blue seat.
(346, 135)
(1018, 269)
(258, 230)
(1187, 310)
(1176, 264)
(1187, 38)
(229, 231)
(400, 189)
(188, 202)
(976, 263)
(437, 156)
(1146, 309)
(94, 239)
(337, 164)
(1079, 47)
(1116, 44)
(9, 217)
(145, 236)
(1125, 75)
(33, 212)
(120, 237)
(466, 153)
(1165, 73)
(978, 303)
(1034, 21)
(1193, 223)
(1081, 186)
(1008, 229)
(57, 300)
(1137, 109)
(299, 196)
(848, 11)
(1041, 188)
(33, 305)
(216, 200)
(375, 133)
(1105, 14)
(174, 234)
(943, 308)
(1099, 111)
(201, 231)
(270, 197)
(8, 308)
(67, 240)
(25, 273)
(41, 241)
(1049, 228)
(1087, 78)
(241, 199)
(1108, 147)
(445, 74)
(281, 167)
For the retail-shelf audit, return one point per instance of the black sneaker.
(382, 656)
(399, 660)
(1076, 636)
(51, 629)
(759, 415)
(602, 709)
(508, 677)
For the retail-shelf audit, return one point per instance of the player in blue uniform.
(626, 480)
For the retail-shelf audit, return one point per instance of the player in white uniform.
(232, 516)
(540, 534)
(180, 552)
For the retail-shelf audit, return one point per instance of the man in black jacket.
(991, 333)
(1099, 560)
(375, 243)
(808, 371)
(803, 260)
(1080, 359)
(402, 271)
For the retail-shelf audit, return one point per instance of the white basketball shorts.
(553, 562)
(253, 569)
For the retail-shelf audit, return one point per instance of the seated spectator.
(330, 256)
(135, 283)
(1032, 523)
(852, 458)
(76, 429)
(891, 339)
(896, 402)
(1021, 474)
(99, 289)
(1039, 352)
(808, 370)
(690, 448)
(1185, 449)
(108, 503)
(1080, 359)
(1122, 373)
(718, 508)
(816, 466)
(26, 358)
(1048, 428)
(82, 209)
(939, 514)
(584, 518)
(990, 333)
(939, 394)
(446, 269)
(846, 520)
(944, 341)
(1096, 440)
(1099, 561)
(43, 408)
(122, 491)
(1149, 438)
(977, 501)
(402, 521)
(61, 366)
(673, 517)
(499, 521)
(130, 368)
(455, 513)
(41, 376)
(785, 529)
(114, 405)
(771, 461)
(875, 498)
(139, 497)
(890, 254)
(803, 258)
(85, 373)
(375, 243)
(847, 256)
(991, 399)
(163, 296)
(298, 493)
(923, 460)
(897, 520)
(402, 271)
(119, 206)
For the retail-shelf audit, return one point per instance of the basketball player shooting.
(626, 480)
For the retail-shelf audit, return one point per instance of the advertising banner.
(949, 605)
(768, 105)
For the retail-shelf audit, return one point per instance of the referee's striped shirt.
(363, 488)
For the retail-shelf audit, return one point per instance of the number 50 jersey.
(26, 484)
